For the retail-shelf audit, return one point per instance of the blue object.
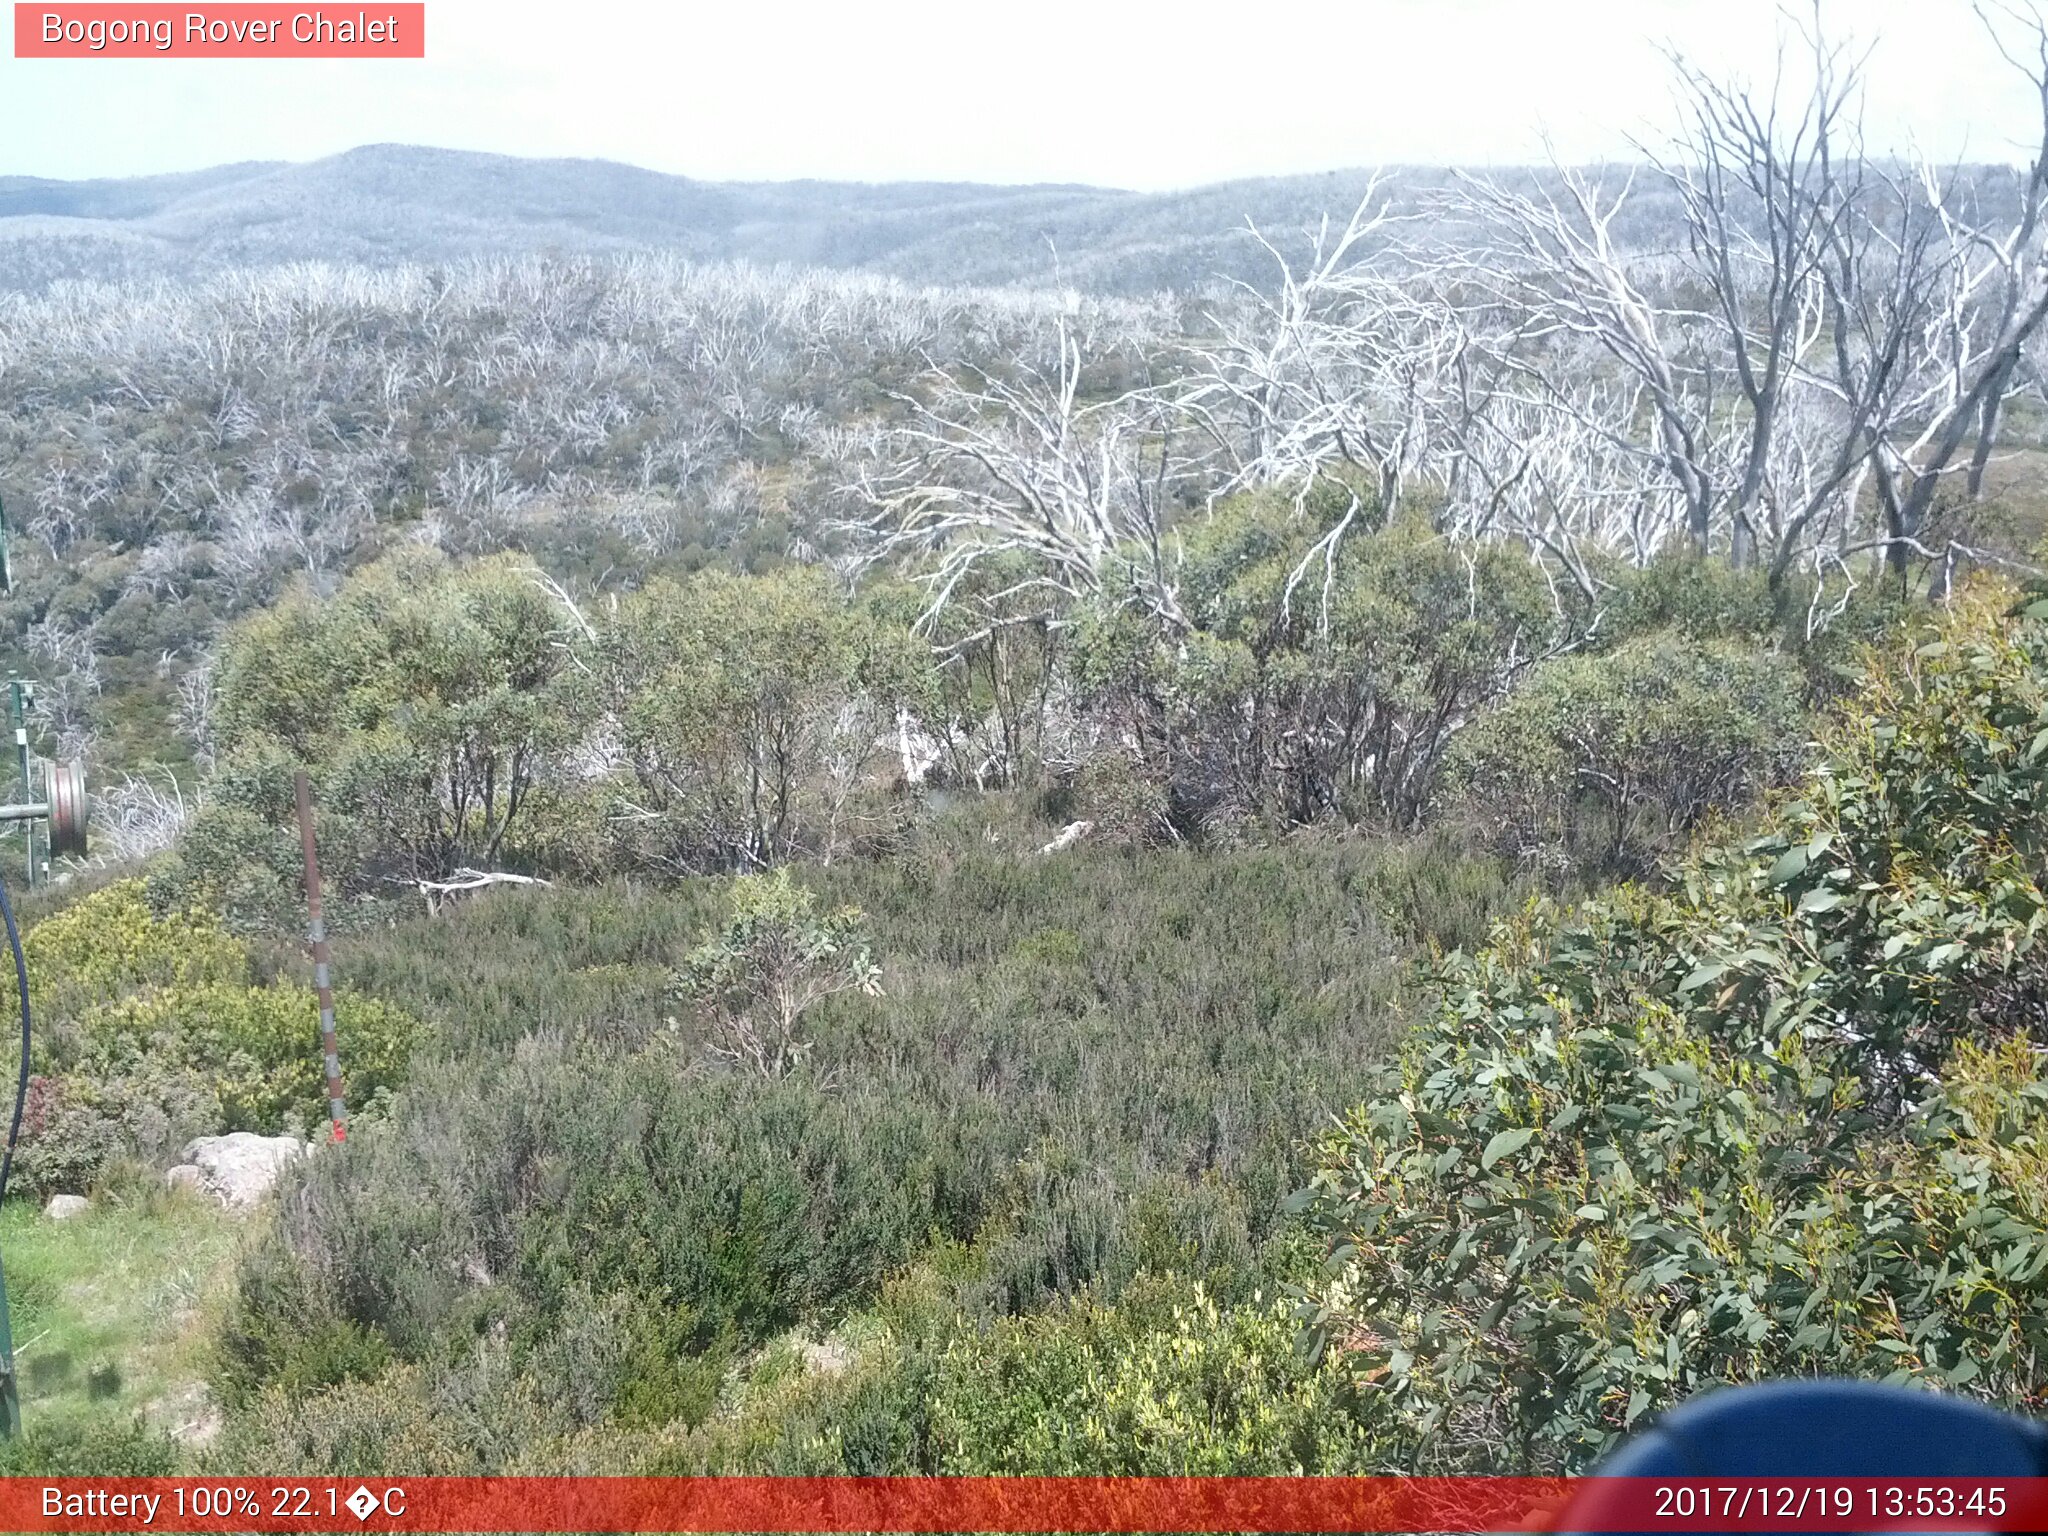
(1824, 1429)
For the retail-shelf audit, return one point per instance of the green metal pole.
(39, 863)
(10, 1391)
(17, 712)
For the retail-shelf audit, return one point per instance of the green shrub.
(112, 943)
(95, 1448)
(284, 1333)
(776, 958)
(1694, 598)
(1127, 806)
(750, 708)
(665, 1380)
(67, 1136)
(259, 1047)
(1779, 1120)
(1164, 1383)
(1614, 759)
(1318, 680)
(480, 1417)
(247, 865)
(427, 699)
(151, 1035)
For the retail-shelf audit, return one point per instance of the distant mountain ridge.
(390, 202)
(387, 203)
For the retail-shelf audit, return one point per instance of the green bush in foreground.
(1166, 1382)
(113, 1447)
(112, 944)
(1784, 1119)
(148, 1033)
(257, 1047)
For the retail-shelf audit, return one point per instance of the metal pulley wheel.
(64, 789)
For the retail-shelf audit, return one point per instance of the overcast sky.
(1119, 92)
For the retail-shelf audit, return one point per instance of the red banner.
(1052, 1504)
(231, 31)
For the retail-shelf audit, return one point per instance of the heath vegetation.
(1389, 866)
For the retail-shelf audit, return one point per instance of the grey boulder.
(239, 1169)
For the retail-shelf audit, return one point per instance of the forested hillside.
(390, 203)
(1387, 868)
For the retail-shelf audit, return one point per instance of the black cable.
(21, 1087)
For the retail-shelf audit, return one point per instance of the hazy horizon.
(411, 145)
(1131, 97)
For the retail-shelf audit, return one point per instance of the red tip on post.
(339, 1133)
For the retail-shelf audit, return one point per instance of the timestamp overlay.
(845, 1504)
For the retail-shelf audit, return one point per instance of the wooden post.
(322, 985)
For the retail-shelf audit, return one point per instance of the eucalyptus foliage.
(776, 958)
(1783, 1118)
(429, 701)
(1616, 756)
(751, 711)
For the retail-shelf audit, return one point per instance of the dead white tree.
(68, 691)
(1979, 317)
(1829, 326)
(140, 816)
(193, 715)
(1018, 463)
(1565, 268)
(1336, 366)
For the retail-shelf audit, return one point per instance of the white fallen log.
(1070, 834)
(464, 882)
